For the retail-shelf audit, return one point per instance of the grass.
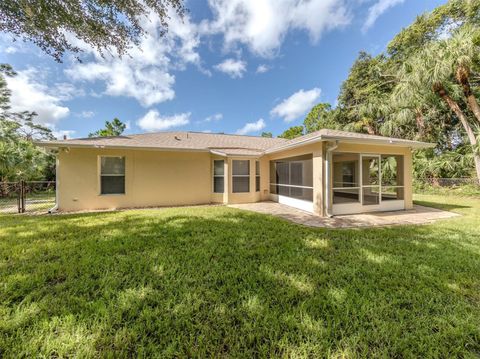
(220, 282)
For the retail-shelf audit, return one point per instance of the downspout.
(328, 192)
(55, 208)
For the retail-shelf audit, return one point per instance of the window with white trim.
(257, 176)
(240, 176)
(218, 176)
(112, 175)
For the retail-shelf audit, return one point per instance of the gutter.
(328, 191)
(372, 141)
(107, 147)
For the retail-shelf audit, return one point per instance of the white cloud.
(215, 117)
(261, 69)
(11, 50)
(86, 114)
(376, 10)
(233, 68)
(252, 127)
(153, 121)
(29, 94)
(296, 105)
(263, 24)
(145, 73)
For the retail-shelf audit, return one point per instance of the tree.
(102, 24)
(114, 128)
(362, 100)
(267, 134)
(19, 157)
(292, 132)
(320, 116)
(430, 71)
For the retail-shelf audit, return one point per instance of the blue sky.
(233, 66)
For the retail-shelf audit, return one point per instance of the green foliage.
(267, 134)
(449, 164)
(425, 87)
(321, 116)
(104, 25)
(206, 282)
(19, 157)
(114, 128)
(292, 132)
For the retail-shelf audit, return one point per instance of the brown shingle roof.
(225, 144)
(174, 140)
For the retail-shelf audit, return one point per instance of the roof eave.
(388, 142)
(320, 138)
(108, 147)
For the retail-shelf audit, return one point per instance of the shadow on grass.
(442, 206)
(196, 282)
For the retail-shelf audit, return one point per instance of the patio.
(418, 215)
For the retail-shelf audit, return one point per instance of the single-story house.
(327, 172)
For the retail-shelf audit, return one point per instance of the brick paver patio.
(418, 215)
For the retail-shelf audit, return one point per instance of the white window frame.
(248, 176)
(214, 176)
(257, 176)
(113, 175)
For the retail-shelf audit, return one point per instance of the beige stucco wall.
(152, 178)
(159, 178)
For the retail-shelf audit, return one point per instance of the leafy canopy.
(19, 157)
(102, 24)
(113, 128)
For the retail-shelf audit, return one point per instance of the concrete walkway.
(418, 215)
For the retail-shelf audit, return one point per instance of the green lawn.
(220, 282)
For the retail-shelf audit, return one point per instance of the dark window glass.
(112, 175)
(218, 184)
(218, 176)
(241, 184)
(113, 184)
(257, 176)
(241, 168)
(240, 176)
(113, 165)
(218, 167)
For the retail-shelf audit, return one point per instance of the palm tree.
(432, 71)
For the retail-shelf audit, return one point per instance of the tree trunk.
(453, 105)
(420, 122)
(462, 75)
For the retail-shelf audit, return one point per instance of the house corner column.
(226, 180)
(318, 175)
(407, 178)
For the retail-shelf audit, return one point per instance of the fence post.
(22, 199)
(19, 196)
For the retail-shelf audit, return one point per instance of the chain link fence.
(26, 197)
(447, 182)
